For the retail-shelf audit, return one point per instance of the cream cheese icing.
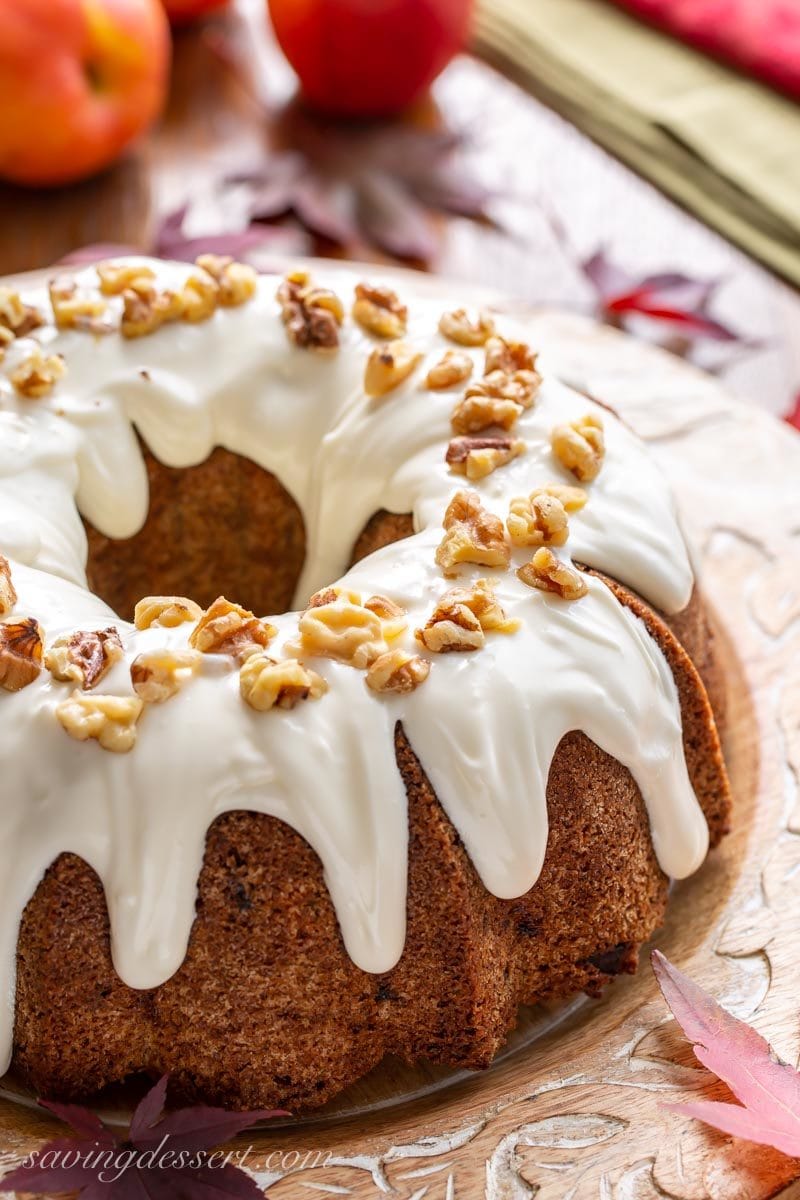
(485, 726)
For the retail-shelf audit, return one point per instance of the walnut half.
(169, 611)
(472, 535)
(38, 374)
(84, 657)
(109, 720)
(379, 311)
(549, 574)
(21, 650)
(397, 671)
(580, 446)
(227, 628)
(477, 457)
(388, 366)
(266, 683)
(157, 675)
(462, 617)
(312, 315)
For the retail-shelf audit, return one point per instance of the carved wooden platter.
(576, 1111)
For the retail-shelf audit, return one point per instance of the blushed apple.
(79, 81)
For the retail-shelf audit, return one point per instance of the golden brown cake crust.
(268, 1008)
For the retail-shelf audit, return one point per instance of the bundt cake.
(260, 852)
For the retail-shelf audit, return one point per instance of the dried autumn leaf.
(792, 417)
(767, 1088)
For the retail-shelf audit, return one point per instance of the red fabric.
(760, 36)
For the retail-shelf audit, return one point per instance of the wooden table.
(539, 162)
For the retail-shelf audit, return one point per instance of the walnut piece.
(537, 520)
(573, 498)
(477, 457)
(169, 611)
(145, 309)
(8, 595)
(16, 316)
(480, 599)
(38, 374)
(312, 316)
(520, 387)
(462, 617)
(74, 310)
(508, 357)
(116, 278)
(21, 650)
(199, 297)
(227, 628)
(266, 683)
(379, 311)
(345, 629)
(452, 369)
(388, 366)
(157, 675)
(236, 282)
(84, 657)
(460, 328)
(580, 446)
(472, 535)
(397, 671)
(477, 412)
(110, 720)
(549, 574)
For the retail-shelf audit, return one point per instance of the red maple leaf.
(792, 417)
(162, 1158)
(768, 1090)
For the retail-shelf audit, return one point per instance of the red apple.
(369, 58)
(181, 12)
(79, 80)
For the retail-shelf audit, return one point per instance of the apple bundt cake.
(454, 774)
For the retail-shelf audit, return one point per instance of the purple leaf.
(325, 207)
(203, 1128)
(393, 219)
(203, 1183)
(47, 1180)
(82, 1120)
(148, 1110)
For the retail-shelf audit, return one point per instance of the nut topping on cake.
(236, 282)
(116, 278)
(199, 297)
(84, 657)
(508, 357)
(580, 446)
(379, 311)
(16, 316)
(72, 310)
(478, 411)
(549, 574)
(477, 457)
(227, 628)
(397, 671)
(38, 374)
(388, 366)
(480, 599)
(312, 316)
(21, 650)
(463, 616)
(473, 535)
(572, 498)
(8, 595)
(345, 629)
(145, 309)
(110, 720)
(459, 328)
(266, 683)
(453, 368)
(537, 520)
(157, 675)
(169, 611)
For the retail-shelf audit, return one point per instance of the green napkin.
(723, 146)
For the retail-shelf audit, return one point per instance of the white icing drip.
(484, 726)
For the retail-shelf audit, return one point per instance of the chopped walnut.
(392, 616)
(157, 675)
(199, 297)
(8, 595)
(168, 611)
(397, 671)
(312, 316)
(520, 387)
(472, 535)
(38, 374)
(330, 595)
(71, 309)
(237, 282)
(508, 357)
(477, 412)
(463, 616)
(573, 498)
(458, 327)
(145, 309)
(549, 574)
(110, 720)
(343, 629)
(379, 311)
(452, 369)
(16, 316)
(537, 520)
(84, 657)
(116, 278)
(6, 338)
(480, 599)
(21, 650)
(266, 683)
(227, 628)
(477, 457)
(580, 446)
(388, 366)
